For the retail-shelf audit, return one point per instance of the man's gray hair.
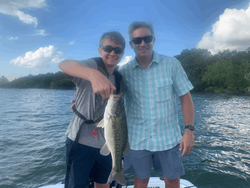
(139, 24)
(114, 36)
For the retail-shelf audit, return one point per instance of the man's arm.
(100, 83)
(187, 141)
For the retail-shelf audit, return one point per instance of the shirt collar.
(155, 59)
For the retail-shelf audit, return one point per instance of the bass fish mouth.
(115, 96)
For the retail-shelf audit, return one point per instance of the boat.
(154, 182)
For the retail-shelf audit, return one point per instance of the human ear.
(99, 50)
(131, 44)
(153, 40)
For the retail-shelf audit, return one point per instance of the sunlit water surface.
(32, 141)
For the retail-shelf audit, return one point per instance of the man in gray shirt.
(91, 98)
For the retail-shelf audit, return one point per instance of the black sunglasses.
(110, 49)
(138, 40)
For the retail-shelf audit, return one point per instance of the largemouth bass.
(116, 136)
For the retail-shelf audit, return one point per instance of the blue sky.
(35, 35)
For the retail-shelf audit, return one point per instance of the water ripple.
(32, 140)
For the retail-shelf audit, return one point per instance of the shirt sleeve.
(181, 83)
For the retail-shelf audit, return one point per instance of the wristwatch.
(190, 127)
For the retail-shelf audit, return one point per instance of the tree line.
(45, 81)
(227, 71)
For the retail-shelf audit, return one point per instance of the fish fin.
(127, 149)
(118, 177)
(101, 123)
(105, 150)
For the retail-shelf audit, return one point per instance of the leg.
(169, 162)
(98, 185)
(139, 183)
(138, 162)
(81, 165)
(101, 170)
(171, 183)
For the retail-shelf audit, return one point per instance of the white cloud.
(125, 60)
(40, 32)
(13, 38)
(232, 32)
(12, 7)
(40, 58)
(72, 42)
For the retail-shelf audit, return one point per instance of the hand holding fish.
(101, 85)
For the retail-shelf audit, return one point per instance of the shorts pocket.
(164, 90)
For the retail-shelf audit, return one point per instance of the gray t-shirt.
(89, 105)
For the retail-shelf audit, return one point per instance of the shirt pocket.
(164, 90)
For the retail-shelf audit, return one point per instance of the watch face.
(190, 127)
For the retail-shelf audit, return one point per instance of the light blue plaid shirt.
(151, 107)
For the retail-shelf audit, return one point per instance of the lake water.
(32, 141)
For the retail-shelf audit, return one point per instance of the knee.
(98, 185)
(173, 183)
(140, 183)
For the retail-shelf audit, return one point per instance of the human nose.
(112, 52)
(142, 43)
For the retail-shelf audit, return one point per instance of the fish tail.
(118, 177)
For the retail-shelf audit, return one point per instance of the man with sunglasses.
(153, 81)
(95, 79)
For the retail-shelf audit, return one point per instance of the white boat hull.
(154, 182)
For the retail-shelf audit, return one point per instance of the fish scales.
(116, 136)
(119, 137)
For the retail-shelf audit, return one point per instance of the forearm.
(187, 109)
(100, 83)
(74, 68)
(187, 141)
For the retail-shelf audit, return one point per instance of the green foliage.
(227, 71)
(194, 62)
(47, 81)
(224, 76)
(62, 84)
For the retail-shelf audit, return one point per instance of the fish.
(116, 136)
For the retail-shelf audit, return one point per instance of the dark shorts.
(169, 162)
(87, 163)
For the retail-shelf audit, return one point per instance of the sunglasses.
(110, 49)
(138, 40)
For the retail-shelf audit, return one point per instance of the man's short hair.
(139, 24)
(114, 36)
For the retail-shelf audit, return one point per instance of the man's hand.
(187, 142)
(73, 103)
(101, 85)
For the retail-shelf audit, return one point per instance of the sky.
(35, 35)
